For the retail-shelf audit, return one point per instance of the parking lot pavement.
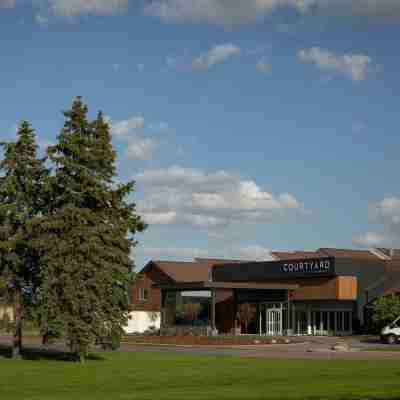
(312, 348)
(315, 348)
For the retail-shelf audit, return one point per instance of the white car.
(391, 333)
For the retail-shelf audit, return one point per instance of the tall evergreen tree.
(87, 236)
(22, 182)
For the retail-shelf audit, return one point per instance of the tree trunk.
(45, 338)
(18, 318)
(82, 353)
(81, 358)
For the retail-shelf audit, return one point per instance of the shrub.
(386, 310)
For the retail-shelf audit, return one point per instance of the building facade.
(325, 292)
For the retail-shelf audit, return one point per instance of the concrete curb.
(215, 346)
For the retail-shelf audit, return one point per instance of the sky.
(248, 126)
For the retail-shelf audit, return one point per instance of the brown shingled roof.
(392, 277)
(220, 261)
(296, 255)
(345, 253)
(393, 253)
(194, 271)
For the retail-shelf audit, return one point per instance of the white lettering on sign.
(309, 267)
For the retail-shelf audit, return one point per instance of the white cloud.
(264, 66)
(250, 253)
(216, 55)
(387, 210)
(219, 11)
(161, 218)
(385, 10)
(122, 129)
(73, 8)
(140, 148)
(240, 11)
(369, 239)
(193, 197)
(386, 215)
(159, 253)
(7, 3)
(354, 66)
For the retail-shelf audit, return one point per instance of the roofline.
(380, 254)
(153, 264)
(201, 285)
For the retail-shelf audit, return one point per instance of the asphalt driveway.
(311, 348)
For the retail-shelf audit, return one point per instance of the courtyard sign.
(262, 271)
(323, 266)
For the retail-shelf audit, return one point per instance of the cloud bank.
(386, 216)
(209, 200)
(251, 253)
(73, 8)
(239, 11)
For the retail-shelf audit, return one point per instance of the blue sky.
(248, 126)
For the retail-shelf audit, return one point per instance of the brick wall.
(145, 281)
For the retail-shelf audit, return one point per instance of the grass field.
(391, 348)
(128, 376)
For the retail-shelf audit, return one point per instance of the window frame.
(143, 294)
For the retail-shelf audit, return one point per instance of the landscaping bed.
(190, 340)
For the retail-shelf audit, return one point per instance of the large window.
(143, 294)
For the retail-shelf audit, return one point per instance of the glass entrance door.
(273, 320)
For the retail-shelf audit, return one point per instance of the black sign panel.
(319, 266)
(261, 271)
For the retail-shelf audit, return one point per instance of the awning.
(226, 285)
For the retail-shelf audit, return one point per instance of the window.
(143, 294)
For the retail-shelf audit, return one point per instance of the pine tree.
(22, 183)
(87, 236)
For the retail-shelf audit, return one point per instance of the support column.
(309, 327)
(313, 315)
(343, 317)
(288, 314)
(328, 322)
(335, 313)
(351, 322)
(321, 323)
(294, 319)
(213, 327)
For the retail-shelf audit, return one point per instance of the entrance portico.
(234, 307)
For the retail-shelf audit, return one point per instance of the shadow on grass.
(38, 354)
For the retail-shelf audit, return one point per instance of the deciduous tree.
(386, 310)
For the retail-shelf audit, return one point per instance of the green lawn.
(155, 376)
(382, 348)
